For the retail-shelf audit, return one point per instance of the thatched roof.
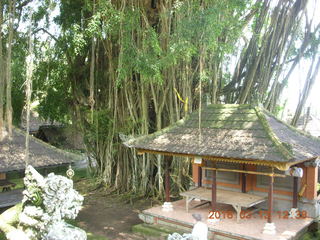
(12, 153)
(237, 132)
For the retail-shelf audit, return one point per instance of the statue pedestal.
(269, 228)
(167, 207)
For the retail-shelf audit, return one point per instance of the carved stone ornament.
(47, 203)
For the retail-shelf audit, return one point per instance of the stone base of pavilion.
(227, 227)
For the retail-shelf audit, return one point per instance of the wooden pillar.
(214, 190)
(167, 160)
(3, 176)
(244, 180)
(199, 176)
(312, 179)
(295, 192)
(270, 200)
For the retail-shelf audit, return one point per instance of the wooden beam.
(199, 176)
(295, 192)
(167, 160)
(243, 171)
(244, 180)
(214, 191)
(270, 200)
(279, 165)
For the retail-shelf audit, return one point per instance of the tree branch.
(47, 32)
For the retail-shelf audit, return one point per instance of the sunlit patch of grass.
(18, 182)
(80, 174)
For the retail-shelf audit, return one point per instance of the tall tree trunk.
(1, 75)
(307, 40)
(93, 47)
(29, 89)
(311, 77)
(266, 52)
(12, 7)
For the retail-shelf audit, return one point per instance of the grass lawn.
(18, 180)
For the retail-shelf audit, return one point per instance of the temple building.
(245, 162)
(12, 159)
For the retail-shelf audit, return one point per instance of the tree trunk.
(92, 65)
(29, 90)
(1, 75)
(311, 77)
(12, 7)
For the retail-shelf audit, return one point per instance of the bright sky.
(295, 87)
(298, 77)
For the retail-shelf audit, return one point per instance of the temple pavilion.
(244, 157)
(12, 158)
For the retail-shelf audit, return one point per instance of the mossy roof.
(230, 131)
(12, 153)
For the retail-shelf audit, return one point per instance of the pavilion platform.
(227, 227)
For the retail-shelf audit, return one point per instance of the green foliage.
(278, 109)
(71, 13)
(52, 89)
(97, 129)
(18, 75)
(148, 62)
(131, 48)
(216, 25)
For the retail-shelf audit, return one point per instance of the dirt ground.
(109, 215)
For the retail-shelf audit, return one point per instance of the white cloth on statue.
(200, 231)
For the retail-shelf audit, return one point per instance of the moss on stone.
(154, 230)
(147, 230)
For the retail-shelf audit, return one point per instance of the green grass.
(311, 236)
(161, 232)
(18, 182)
(16, 177)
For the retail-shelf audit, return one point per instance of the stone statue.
(47, 203)
(199, 231)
